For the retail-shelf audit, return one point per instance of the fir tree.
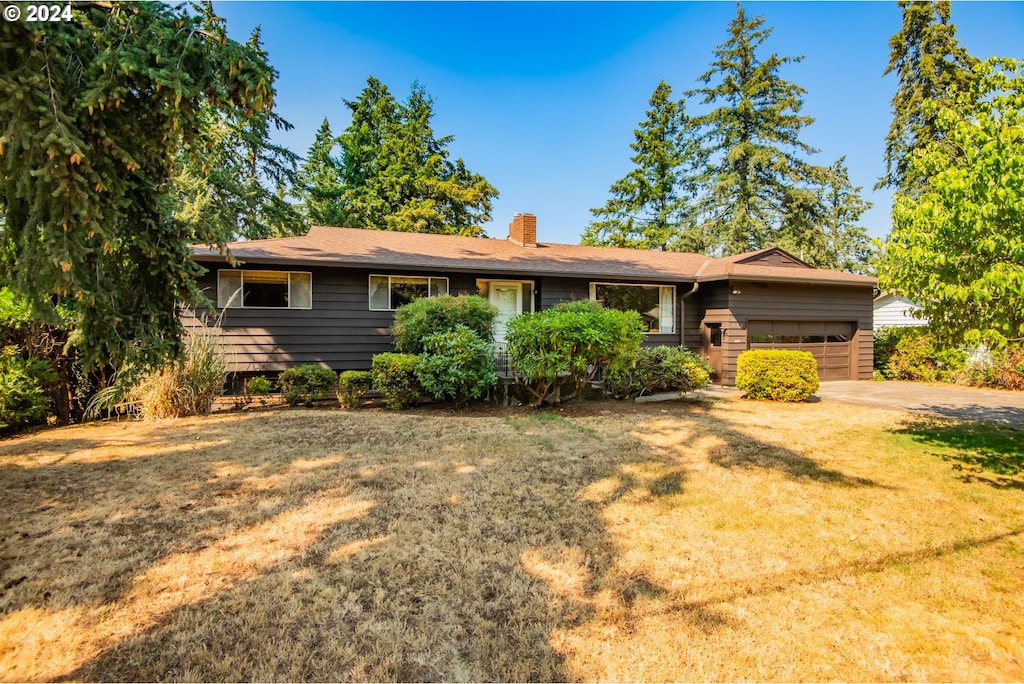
(319, 180)
(931, 66)
(648, 208)
(755, 180)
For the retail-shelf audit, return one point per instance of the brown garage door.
(828, 341)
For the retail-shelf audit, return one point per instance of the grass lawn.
(680, 541)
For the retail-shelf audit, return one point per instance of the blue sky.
(543, 98)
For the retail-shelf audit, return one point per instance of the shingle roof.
(372, 248)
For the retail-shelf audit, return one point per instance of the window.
(654, 303)
(715, 334)
(387, 293)
(264, 289)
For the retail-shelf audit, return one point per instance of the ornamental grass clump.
(777, 374)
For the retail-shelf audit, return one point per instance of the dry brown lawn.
(679, 541)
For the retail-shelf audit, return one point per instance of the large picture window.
(387, 293)
(654, 303)
(264, 289)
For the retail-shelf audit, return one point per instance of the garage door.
(828, 341)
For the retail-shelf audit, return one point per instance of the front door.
(711, 346)
(508, 298)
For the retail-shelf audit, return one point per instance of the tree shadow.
(989, 454)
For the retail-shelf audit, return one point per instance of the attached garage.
(831, 343)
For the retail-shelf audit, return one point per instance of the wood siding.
(342, 333)
(747, 301)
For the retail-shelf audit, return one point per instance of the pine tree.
(754, 174)
(931, 66)
(648, 208)
(848, 246)
(319, 180)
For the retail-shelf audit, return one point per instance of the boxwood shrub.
(394, 376)
(351, 387)
(307, 383)
(777, 374)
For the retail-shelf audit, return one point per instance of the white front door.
(508, 298)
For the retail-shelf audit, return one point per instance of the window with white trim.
(655, 303)
(388, 292)
(237, 289)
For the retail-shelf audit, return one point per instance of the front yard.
(678, 541)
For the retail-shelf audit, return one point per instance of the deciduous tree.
(957, 244)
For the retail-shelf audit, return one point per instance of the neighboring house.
(892, 311)
(329, 297)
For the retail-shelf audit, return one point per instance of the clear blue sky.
(543, 98)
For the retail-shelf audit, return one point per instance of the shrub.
(456, 365)
(394, 376)
(307, 383)
(999, 368)
(886, 339)
(917, 356)
(656, 369)
(555, 353)
(777, 374)
(259, 386)
(422, 318)
(23, 389)
(351, 387)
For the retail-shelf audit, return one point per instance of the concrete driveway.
(990, 406)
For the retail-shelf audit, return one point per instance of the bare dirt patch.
(679, 541)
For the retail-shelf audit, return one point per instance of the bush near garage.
(656, 369)
(777, 374)
(918, 356)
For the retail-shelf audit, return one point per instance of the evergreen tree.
(395, 174)
(755, 181)
(230, 177)
(848, 247)
(319, 180)
(931, 66)
(95, 112)
(648, 208)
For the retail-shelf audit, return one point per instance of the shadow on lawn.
(324, 545)
(982, 453)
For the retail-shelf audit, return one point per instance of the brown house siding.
(749, 301)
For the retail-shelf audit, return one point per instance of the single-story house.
(893, 311)
(329, 297)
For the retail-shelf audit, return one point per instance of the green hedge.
(656, 369)
(23, 389)
(457, 365)
(777, 374)
(351, 387)
(422, 318)
(394, 376)
(307, 383)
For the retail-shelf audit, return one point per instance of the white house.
(894, 311)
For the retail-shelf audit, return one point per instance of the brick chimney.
(523, 230)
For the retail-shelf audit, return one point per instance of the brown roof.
(369, 248)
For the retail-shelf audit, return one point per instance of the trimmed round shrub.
(259, 386)
(424, 317)
(555, 353)
(394, 376)
(351, 387)
(777, 374)
(457, 365)
(23, 389)
(656, 369)
(307, 383)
